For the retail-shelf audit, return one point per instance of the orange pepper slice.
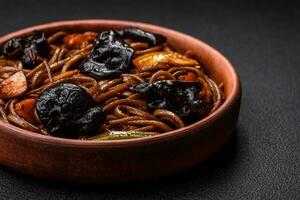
(162, 57)
(79, 40)
(25, 109)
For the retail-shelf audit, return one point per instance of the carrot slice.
(79, 40)
(190, 76)
(25, 109)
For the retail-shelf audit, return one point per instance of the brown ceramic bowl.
(133, 159)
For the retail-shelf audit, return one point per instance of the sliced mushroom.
(13, 86)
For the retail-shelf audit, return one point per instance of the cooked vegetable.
(190, 76)
(25, 109)
(140, 35)
(12, 49)
(117, 135)
(14, 86)
(182, 98)
(35, 49)
(110, 57)
(69, 109)
(163, 58)
(30, 50)
(79, 40)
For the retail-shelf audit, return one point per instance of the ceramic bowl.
(133, 159)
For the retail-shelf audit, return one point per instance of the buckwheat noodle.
(126, 110)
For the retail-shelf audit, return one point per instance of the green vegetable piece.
(120, 135)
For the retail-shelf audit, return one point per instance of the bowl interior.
(217, 67)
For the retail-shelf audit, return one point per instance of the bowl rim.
(231, 98)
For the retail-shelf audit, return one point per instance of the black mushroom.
(140, 35)
(180, 97)
(35, 49)
(110, 57)
(68, 110)
(30, 50)
(12, 49)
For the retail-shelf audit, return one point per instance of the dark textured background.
(261, 40)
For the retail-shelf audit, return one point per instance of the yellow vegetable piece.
(155, 58)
